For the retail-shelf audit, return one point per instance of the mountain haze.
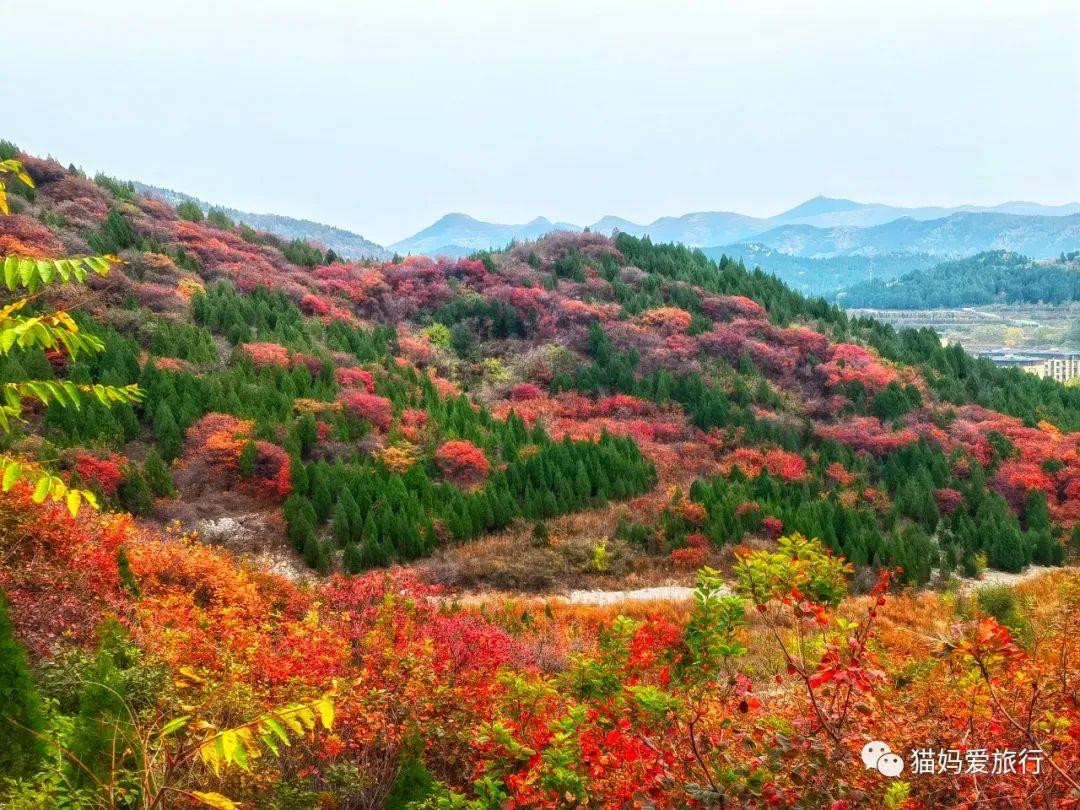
(822, 226)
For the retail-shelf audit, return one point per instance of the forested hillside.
(578, 404)
(344, 243)
(995, 277)
(823, 276)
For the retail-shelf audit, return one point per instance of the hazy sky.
(382, 116)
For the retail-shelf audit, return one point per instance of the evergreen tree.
(21, 717)
(134, 494)
(249, 454)
(167, 432)
(157, 475)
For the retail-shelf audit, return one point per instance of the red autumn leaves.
(463, 463)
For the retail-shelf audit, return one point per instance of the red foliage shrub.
(692, 512)
(867, 433)
(689, 559)
(171, 364)
(105, 473)
(369, 407)
(314, 305)
(728, 307)
(354, 377)
(780, 463)
(948, 499)
(216, 441)
(772, 526)
(838, 474)
(266, 355)
(462, 462)
(23, 236)
(1015, 478)
(849, 363)
(525, 391)
(666, 320)
(60, 578)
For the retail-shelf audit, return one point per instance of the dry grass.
(516, 560)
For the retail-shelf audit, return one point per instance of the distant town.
(1060, 366)
(1043, 340)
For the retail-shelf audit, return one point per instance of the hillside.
(823, 276)
(344, 243)
(993, 277)
(286, 597)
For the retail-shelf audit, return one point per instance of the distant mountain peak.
(460, 234)
(453, 218)
(817, 206)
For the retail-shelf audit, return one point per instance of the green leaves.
(64, 393)
(713, 631)
(20, 271)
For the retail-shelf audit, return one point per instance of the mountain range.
(820, 246)
(822, 227)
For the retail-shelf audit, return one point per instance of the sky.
(380, 117)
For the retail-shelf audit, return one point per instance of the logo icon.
(878, 755)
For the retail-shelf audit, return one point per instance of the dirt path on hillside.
(661, 593)
(683, 593)
(679, 593)
(988, 578)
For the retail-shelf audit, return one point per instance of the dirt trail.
(1003, 578)
(679, 593)
(683, 593)
(662, 593)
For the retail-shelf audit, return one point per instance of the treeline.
(993, 277)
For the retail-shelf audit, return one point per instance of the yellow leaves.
(73, 501)
(188, 677)
(12, 167)
(216, 800)
(398, 458)
(325, 708)
(236, 747)
(45, 485)
(174, 725)
(15, 167)
(11, 475)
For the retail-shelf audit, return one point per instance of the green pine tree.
(21, 717)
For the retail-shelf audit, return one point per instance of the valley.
(428, 519)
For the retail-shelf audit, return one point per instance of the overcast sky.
(382, 116)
